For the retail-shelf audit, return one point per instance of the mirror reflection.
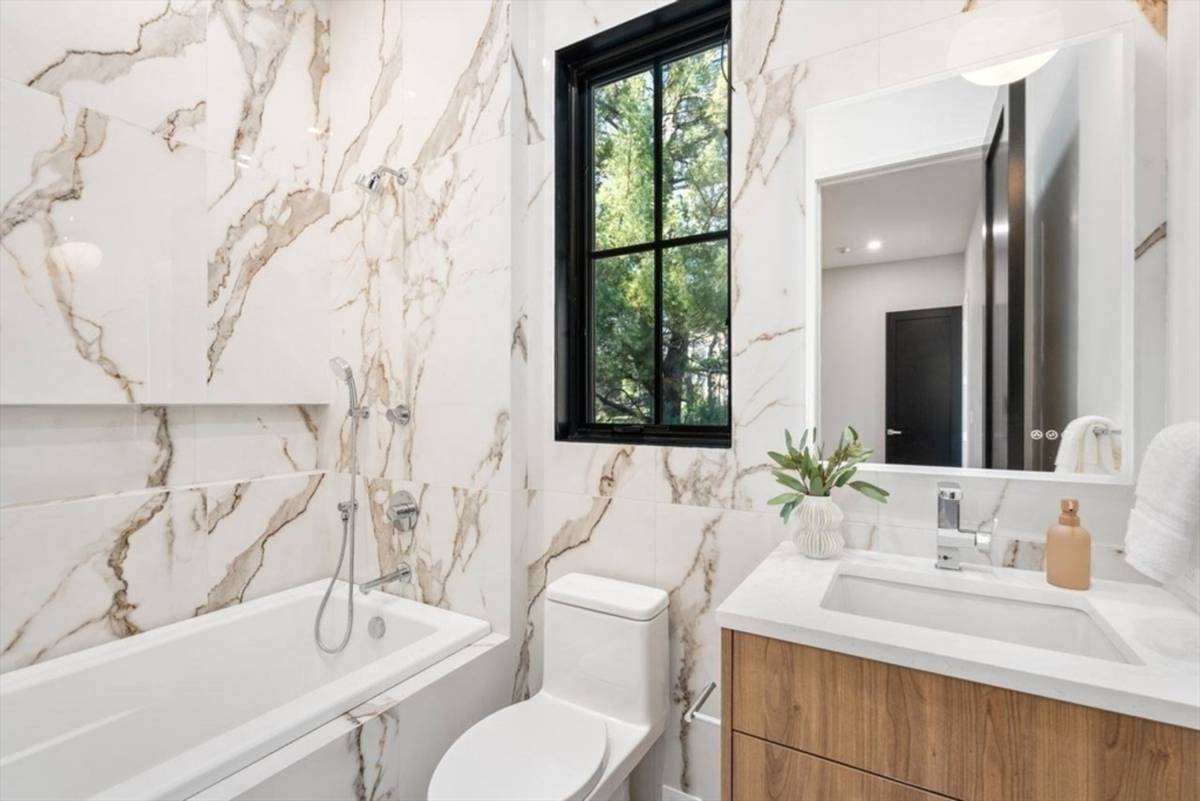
(972, 249)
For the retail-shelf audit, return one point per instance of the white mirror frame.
(812, 279)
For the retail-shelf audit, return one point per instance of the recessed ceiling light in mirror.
(874, 244)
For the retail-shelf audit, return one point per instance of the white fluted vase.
(818, 528)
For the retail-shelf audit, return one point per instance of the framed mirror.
(972, 301)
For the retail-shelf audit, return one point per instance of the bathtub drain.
(376, 628)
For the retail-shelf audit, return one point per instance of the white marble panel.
(769, 34)
(141, 61)
(421, 310)
(455, 82)
(901, 15)
(57, 452)
(268, 94)
(268, 284)
(367, 98)
(612, 537)
(78, 574)
(700, 556)
(246, 442)
(90, 209)
(454, 319)
(459, 551)
(566, 23)
(266, 536)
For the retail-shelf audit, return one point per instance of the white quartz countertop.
(1156, 632)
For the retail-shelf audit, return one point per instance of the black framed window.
(642, 231)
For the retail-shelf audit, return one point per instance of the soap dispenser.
(1069, 550)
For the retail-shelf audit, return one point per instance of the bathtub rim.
(215, 759)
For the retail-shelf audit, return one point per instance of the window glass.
(623, 162)
(695, 147)
(623, 319)
(695, 343)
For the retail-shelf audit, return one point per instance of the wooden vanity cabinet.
(802, 724)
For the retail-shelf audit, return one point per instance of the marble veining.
(268, 64)
(571, 535)
(266, 237)
(56, 179)
(690, 602)
(240, 571)
(105, 569)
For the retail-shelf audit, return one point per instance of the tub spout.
(403, 573)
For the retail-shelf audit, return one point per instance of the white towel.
(1166, 509)
(1089, 446)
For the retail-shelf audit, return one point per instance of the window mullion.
(658, 251)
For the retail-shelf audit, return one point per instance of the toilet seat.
(538, 750)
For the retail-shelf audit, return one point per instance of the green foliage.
(695, 298)
(818, 476)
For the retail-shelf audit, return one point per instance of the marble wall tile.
(459, 551)
(55, 452)
(700, 556)
(247, 442)
(769, 34)
(267, 290)
(78, 574)
(267, 86)
(901, 15)
(140, 62)
(465, 100)
(367, 98)
(421, 294)
(85, 226)
(266, 536)
(611, 537)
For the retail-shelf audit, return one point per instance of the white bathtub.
(167, 713)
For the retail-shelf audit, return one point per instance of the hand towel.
(1166, 508)
(1089, 446)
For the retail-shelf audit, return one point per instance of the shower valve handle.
(402, 510)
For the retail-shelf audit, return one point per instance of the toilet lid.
(539, 750)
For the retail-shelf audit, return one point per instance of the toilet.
(603, 703)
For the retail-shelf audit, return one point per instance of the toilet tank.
(606, 648)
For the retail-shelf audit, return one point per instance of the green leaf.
(781, 460)
(786, 511)
(853, 433)
(817, 486)
(871, 491)
(846, 476)
(781, 499)
(787, 481)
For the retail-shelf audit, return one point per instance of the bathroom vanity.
(880, 677)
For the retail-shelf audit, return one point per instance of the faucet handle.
(984, 533)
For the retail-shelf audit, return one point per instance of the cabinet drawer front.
(954, 737)
(764, 771)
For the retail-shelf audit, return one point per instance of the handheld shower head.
(341, 369)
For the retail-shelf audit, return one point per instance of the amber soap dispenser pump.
(1069, 550)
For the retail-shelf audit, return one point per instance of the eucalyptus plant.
(817, 476)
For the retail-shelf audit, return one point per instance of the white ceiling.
(918, 212)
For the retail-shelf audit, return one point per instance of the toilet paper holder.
(693, 712)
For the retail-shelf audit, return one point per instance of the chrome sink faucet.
(951, 538)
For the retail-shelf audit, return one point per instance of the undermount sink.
(1056, 627)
